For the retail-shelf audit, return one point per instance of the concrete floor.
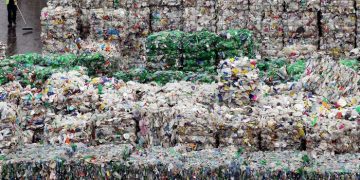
(17, 40)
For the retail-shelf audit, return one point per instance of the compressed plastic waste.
(8, 134)
(301, 28)
(295, 70)
(165, 2)
(295, 52)
(196, 51)
(357, 20)
(330, 79)
(339, 166)
(351, 63)
(231, 19)
(338, 33)
(278, 70)
(270, 47)
(44, 101)
(278, 22)
(164, 50)
(34, 69)
(273, 25)
(300, 5)
(281, 125)
(59, 29)
(254, 23)
(51, 162)
(267, 5)
(181, 114)
(343, 6)
(164, 77)
(134, 4)
(272, 33)
(234, 43)
(237, 128)
(199, 50)
(287, 164)
(200, 17)
(166, 18)
(195, 130)
(238, 82)
(68, 129)
(134, 50)
(273, 71)
(109, 50)
(332, 136)
(173, 163)
(167, 106)
(83, 3)
(123, 161)
(2, 51)
(108, 24)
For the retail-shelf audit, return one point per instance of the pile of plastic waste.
(179, 92)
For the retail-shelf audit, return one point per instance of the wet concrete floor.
(17, 40)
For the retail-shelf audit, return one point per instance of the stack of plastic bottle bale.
(272, 25)
(338, 27)
(232, 14)
(301, 22)
(199, 15)
(59, 29)
(186, 114)
(240, 127)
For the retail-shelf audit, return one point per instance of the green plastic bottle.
(116, 3)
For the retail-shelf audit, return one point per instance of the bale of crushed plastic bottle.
(164, 50)
(236, 43)
(199, 50)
